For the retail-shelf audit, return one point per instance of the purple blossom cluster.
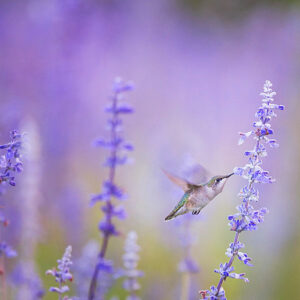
(62, 274)
(117, 146)
(10, 164)
(247, 218)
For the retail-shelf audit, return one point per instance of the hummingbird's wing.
(197, 174)
(185, 185)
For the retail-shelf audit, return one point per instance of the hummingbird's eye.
(218, 180)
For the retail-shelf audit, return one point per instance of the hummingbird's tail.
(177, 211)
(179, 208)
(170, 216)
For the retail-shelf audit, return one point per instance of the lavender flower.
(63, 274)
(130, 260)
(247, 218)
(10, 162)
(211, 294)
(117, 147)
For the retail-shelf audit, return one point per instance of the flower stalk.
(117, 146)
(62, 274)
(247, 218)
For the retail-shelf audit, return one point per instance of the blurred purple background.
(198, 71)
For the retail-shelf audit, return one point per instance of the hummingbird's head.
(217, 182)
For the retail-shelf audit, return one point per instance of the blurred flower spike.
(187, 239)
(62, 274)
(247, 218)
(130, 261)
(118, 148)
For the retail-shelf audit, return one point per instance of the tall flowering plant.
(117, 147)
(62, 274)
(10, 164)
(247, 218)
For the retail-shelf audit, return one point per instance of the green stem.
(185, 286)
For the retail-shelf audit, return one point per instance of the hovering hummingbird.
(196, 196)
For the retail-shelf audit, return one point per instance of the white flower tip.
(49, 272)
(268, 83)
(132, 235)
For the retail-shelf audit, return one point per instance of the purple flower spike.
(10, 162)
(62, 274)
(118, 148)
(248, 218)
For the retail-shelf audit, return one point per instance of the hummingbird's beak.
(229, 175)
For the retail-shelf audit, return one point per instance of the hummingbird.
(196, 196)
